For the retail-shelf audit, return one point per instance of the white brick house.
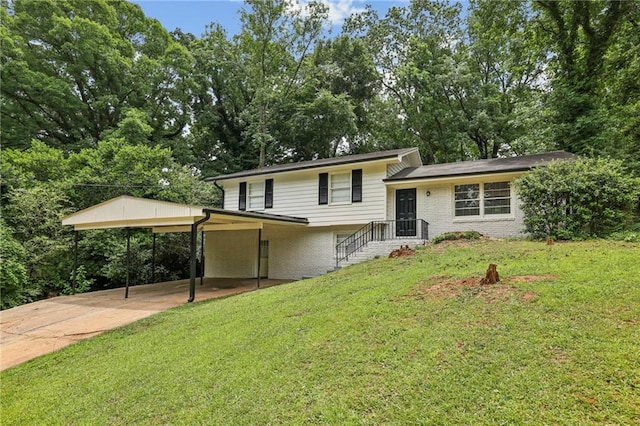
(303, 219)
(386, 196)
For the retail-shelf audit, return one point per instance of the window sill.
(496, 218)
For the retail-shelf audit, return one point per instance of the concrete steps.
(379, 249)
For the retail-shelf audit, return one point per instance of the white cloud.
(339, 10)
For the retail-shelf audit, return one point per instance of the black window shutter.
(268, 193)
(356, 186)
(242, 202)
(323, 189)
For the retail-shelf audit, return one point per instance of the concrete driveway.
(45, 326)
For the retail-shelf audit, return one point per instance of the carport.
(163, 217)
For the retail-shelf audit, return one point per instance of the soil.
(443, 286)
(403, 251)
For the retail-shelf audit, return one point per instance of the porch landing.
(45, 326)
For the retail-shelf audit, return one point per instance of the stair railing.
(382, 230)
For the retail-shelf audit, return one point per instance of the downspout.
(194, 245)
(215, 183)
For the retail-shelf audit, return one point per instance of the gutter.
(194, 244)
(215, 183)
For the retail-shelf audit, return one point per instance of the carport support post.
(153, 259)
(201, 257)
(259, 253)
(194, 246)
(126, 291)
(74, 282)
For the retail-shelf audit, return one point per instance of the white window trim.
(331, 188)
(255, 196)
(482, 217)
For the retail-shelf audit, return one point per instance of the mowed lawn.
(412, 340)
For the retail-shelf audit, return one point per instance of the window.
(467, 199)
(497, 198)
(340, 188)
(491, 198)
(256, 196)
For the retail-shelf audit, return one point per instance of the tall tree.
(455, 90)
(276, 38)
(72, 68)
(580, 35)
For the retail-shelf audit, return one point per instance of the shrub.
(577, 199)
(463, 235)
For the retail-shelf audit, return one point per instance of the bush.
(13, 274)
(451, 236)
(577, 199)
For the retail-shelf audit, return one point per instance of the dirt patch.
(466, 288)
(403, 251)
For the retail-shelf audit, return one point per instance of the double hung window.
(340, 188)
(490, 198)
(256, 195)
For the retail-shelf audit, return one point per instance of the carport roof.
(163, 216)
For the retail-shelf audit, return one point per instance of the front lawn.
(412, 340)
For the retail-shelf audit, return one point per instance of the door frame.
(406, 212)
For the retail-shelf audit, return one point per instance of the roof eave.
(309, 166)
(453, 176)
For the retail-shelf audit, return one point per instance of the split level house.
(303, 219)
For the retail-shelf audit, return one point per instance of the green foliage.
(82, 282)
(594, 74)
(452, 236)
(403, 341)
(41, 185)
(34, 215)
(577, 199)
(73, 68)
(13, 274)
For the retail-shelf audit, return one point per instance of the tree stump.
(491, 277)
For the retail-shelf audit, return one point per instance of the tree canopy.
(99, 100)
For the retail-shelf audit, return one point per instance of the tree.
(71, 69)
(43, 185)
(580, 36)
(34, 216)
(457, 91)
(13, 274)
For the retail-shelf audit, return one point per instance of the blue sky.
(193, 16)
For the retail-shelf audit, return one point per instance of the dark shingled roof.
(323, 162)
(492, 165)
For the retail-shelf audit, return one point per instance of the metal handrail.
(381, 231)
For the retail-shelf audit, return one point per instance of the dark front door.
(406, 212)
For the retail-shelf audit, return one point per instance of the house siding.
(296, 194)
(294, 253)
(231, 254)
(438, 210)
(392, 169)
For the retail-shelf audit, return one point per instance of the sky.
(193, 16)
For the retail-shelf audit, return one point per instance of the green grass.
(393, 341)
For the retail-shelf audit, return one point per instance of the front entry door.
(406, 212)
